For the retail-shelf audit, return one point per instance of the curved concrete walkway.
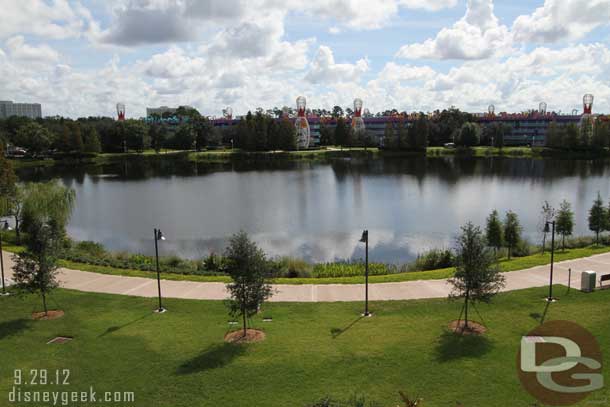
(146, 287)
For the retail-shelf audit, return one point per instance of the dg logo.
(560, 363)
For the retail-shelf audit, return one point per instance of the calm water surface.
(317, 210)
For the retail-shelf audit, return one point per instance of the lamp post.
(158, 236)
(365, 239)
(4, 227)
(546, 230)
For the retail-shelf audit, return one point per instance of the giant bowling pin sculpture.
(301, 124)
(357, 122)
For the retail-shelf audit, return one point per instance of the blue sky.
(81, 58)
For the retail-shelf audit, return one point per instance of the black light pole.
(546, 230)
(365, 239)
(4, 227)
(158, 236)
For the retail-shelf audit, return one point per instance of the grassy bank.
(506, 265)
(310, 351)
(324, 153)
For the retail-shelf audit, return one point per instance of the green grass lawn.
(312, 350)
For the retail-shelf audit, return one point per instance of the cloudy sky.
(79, 58)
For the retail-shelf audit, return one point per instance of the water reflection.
(316, 210)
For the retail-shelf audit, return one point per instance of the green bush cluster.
(94, 253)
(322, 270)
(432, 260)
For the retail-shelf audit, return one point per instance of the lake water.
(317, 210)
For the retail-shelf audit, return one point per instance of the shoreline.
(326, 153)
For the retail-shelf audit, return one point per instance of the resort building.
(31, 110)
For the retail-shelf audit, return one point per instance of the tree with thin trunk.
(597, 217)
(249, 269)
(512, 231)
(46, 210)
(477, 276)
(547, 215)
(493, 232)
(564, 222)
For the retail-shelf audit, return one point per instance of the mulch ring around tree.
(53, 314)
(474, 328)
(252, 335)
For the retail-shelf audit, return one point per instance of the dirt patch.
(474, 328)
(41, 316)
(252, 335)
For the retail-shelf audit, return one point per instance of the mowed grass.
(312, 350)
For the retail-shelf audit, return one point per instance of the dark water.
(317, 210)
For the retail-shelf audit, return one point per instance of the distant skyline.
(81, 58)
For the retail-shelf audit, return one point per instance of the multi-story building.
(527, 128)
(31, 110)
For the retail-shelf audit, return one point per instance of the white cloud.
(477, 35)
(562, 20)
(19, 50)
(56, 20)
(324, 68)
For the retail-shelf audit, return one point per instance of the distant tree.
(184, 139)
(597, 217)
(7, 175)
(468, 135)
(342, 132)
(402, 134)
(601, 136)
(327, 135)
(564, 222)
(136, 135)
(390, 141)
(260, 132)
(46, 210)
(14, 207)
(91, 141)
(572, 136)
(547, 214)
(421, 130)
(33, 137)
(287, 135)
(493, 231)
(512, 231)
(155, 136)
(76, 138)
(586, 133)
(203, 132)
(337, 111)
(476, 277)
(249, 270)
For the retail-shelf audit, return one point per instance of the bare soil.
(252, 335)
(53, 314)
(474, 328)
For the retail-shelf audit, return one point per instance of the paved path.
(146, 287)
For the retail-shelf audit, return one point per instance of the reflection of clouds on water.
(317, 210)
(385, 246)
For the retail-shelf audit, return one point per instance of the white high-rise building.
(31, 110)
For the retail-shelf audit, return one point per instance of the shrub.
(432, 260)
(340, 269)
(290, 267)
(90, 248)
(523, 248)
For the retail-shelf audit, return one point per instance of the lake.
(317, 210)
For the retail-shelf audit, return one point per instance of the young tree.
(46, 210)
(476, 278)
(248, 268)
(597, 217)
(468, 135)
(91, 141)
(564, 222)
(547, 214)
(493, 231)
(512, 231)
